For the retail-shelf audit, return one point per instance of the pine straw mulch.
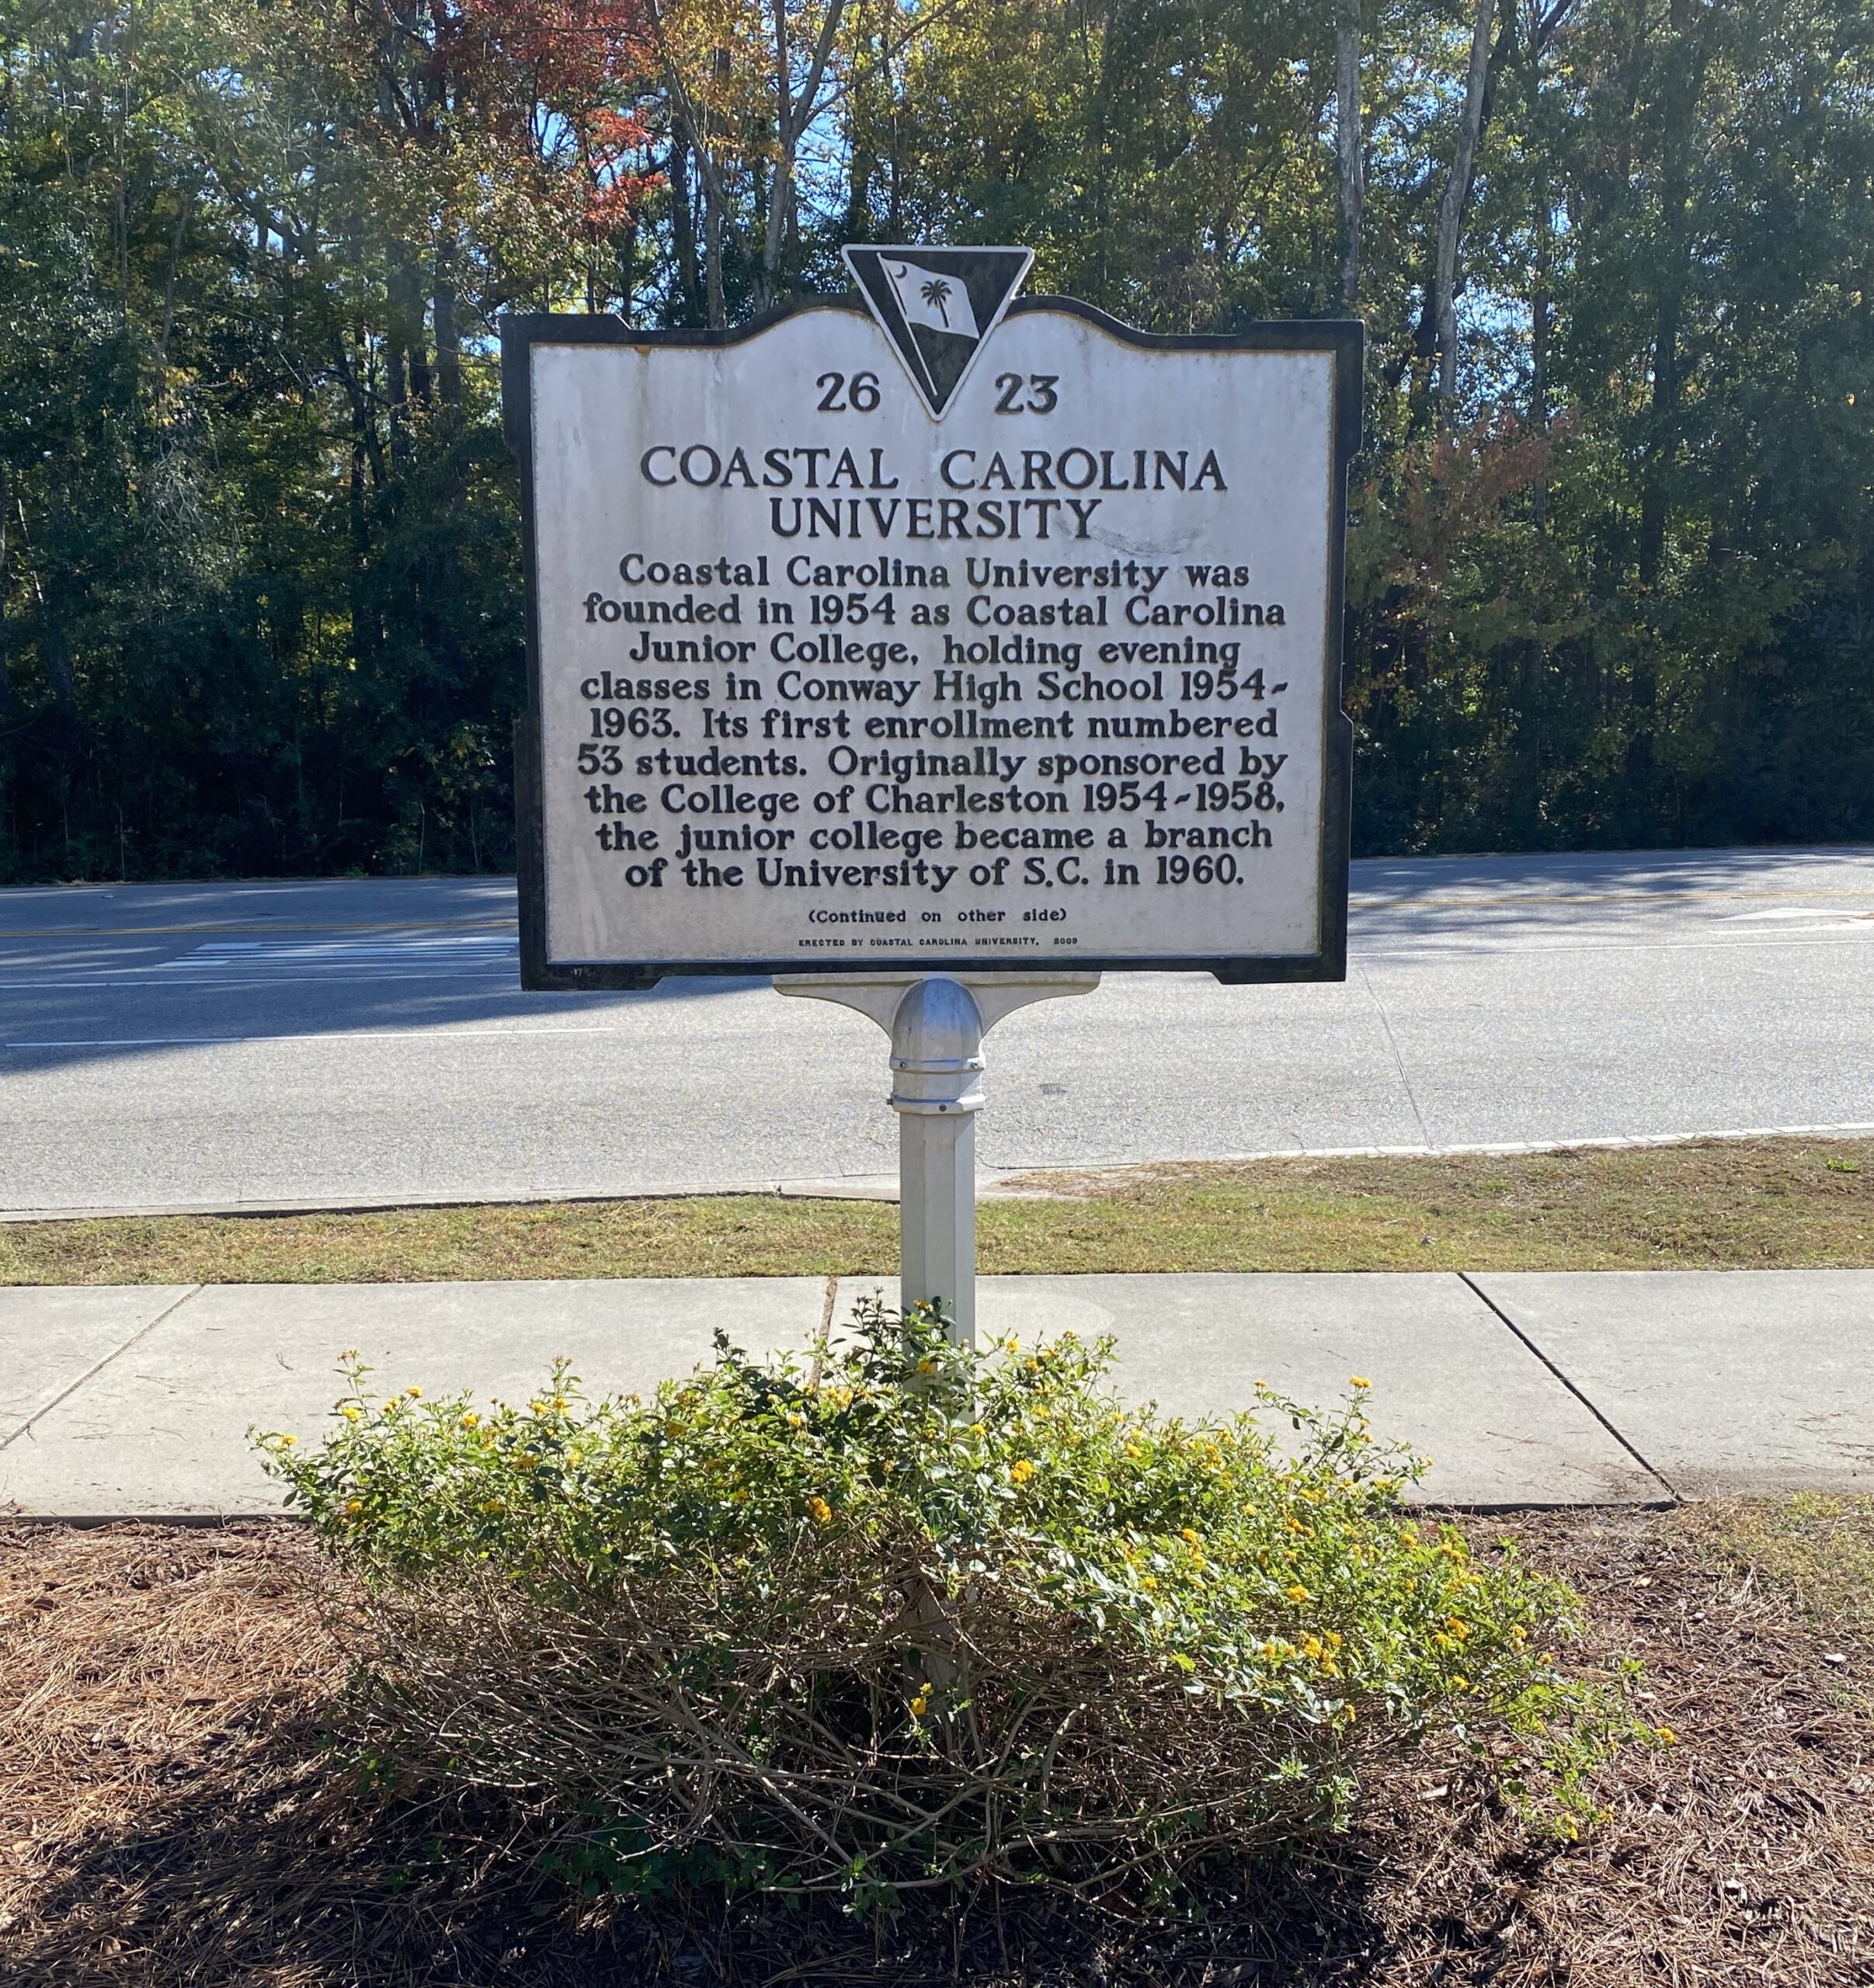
(172, 1811)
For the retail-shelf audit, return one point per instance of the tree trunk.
(712, 271)
(182, 213)
(1538, 343)
(406, 320)
(714, 218)
(682, 221)
(626, 252)
(779, 181)
(1348, 145)
(54, 641)
(9, 698)
(1444, 312)
(363, 644)
(397, 393)
(1684, 67)
(448, 335)
(862, 171)
(792, 116)
(55, 650)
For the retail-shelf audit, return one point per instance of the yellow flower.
(920, 1704)
(491, 1504)
(351, 1412)
(1666, 1735)
(819, 1510)
(926, 1366)
(575, 1458)
(469, 1420)
(1298, 1593)
(289, 1440)
(1189, 1534)
(353, 1506)
(1358, 1381)
(1131, 1452)
(1021, 1471)
(559, 1402)
(1148, 1581)
(416, 1393)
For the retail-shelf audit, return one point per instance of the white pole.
(936, 1023)
(936, 1090)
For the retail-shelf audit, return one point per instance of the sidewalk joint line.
(1658, 1476)
(91, 1373)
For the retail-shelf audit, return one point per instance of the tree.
(1612, 574)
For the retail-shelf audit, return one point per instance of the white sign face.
(823, 681)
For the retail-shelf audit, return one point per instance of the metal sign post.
(936, 1025)
(931, 650)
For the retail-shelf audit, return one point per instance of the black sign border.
(1344, 339)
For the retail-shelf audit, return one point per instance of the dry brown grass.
(1751, 1204)
(168, 1814)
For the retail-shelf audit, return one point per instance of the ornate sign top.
(936, 308)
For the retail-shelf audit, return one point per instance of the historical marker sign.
(935, 633)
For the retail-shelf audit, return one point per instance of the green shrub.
(901, 1615)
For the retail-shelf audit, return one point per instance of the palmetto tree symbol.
(936, 292)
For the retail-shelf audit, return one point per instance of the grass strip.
(1706, 1204)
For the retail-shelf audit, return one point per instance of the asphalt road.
(264, 1045)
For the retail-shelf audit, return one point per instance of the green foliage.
(902, 1615)
(259, 602)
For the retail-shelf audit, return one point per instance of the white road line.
(311, 1035)
(334, 979)
(223, 954)
(1613, 1142)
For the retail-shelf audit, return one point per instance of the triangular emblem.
(936, 308)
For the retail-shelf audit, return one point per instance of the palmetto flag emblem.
(937, 308)
(925, 299)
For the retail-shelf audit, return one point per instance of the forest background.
(1612, 573)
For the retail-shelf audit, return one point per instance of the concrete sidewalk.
(1531, 1389)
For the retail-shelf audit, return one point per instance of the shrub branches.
(907, 1616)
